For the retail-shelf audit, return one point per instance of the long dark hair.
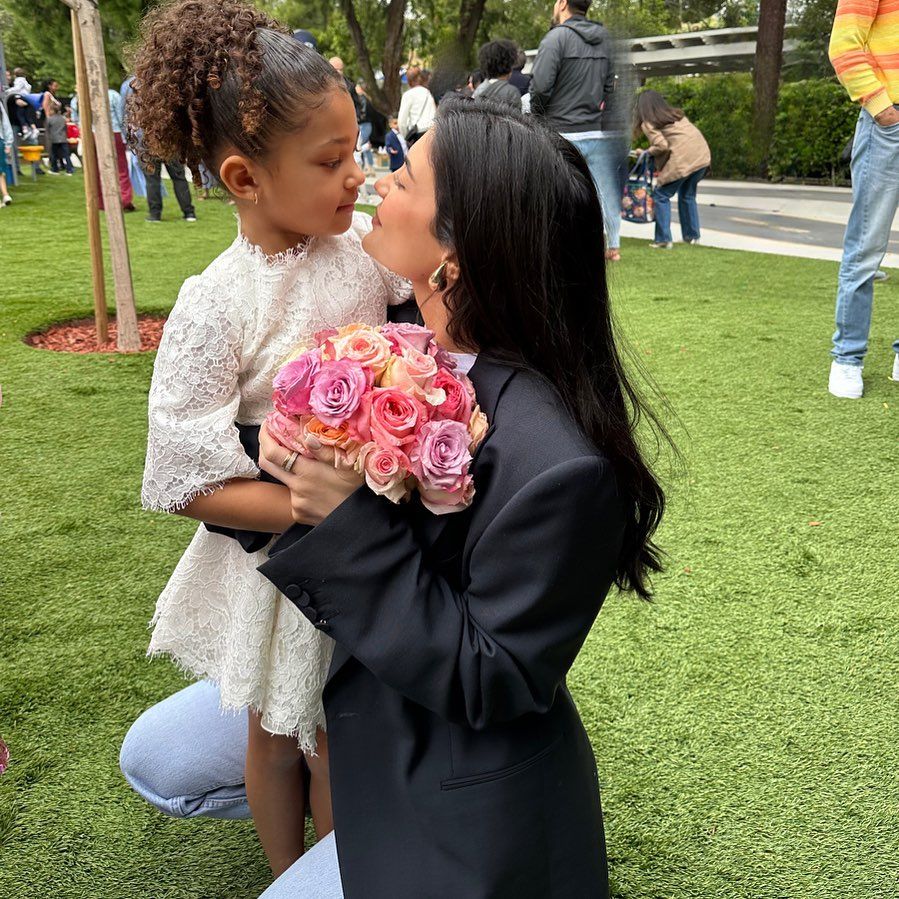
(214, 74)
(654, 109)
(526, 227)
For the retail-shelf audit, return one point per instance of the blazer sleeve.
(497, 650)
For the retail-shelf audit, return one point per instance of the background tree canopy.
(37, 35)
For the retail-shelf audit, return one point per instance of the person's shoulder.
(533, 430)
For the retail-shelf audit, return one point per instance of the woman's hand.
(316, 486)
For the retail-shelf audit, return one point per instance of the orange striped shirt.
(864, 51)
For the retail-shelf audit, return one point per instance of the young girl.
(218, 83)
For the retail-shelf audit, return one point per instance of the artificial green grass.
(744, 724)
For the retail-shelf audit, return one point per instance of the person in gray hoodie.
(572, 85)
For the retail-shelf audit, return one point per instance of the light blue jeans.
(368, 158)
(186, 757)
(604, 157)
(687, 210)
(875, 198)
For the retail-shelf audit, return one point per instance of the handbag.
(637, 204)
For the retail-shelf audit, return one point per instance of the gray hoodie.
(573, 76)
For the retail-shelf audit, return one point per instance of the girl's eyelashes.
(396, 181)
(334, 164)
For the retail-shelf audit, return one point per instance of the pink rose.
(338, 390)
(402, 336)
(443, 502)
(384, 471)
(364, 345)
(292, 386)
(287, 431)
(458, 403)
(394, 417)
(440, 456)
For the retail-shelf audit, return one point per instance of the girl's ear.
(238, 177)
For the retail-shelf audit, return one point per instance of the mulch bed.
(81, 336)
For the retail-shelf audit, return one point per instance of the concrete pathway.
(787, 220)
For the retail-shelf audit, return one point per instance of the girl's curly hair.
(218, 75)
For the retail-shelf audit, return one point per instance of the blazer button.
(303, 599)
(292, 591)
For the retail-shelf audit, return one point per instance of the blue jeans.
(368, 158)
(604, 157)
(687, 210)
(186, 757)
(875, 196)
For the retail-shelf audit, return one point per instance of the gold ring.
(287, 464)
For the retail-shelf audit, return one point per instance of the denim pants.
(61, 158)
(604, 158)
(186, 757)
(875, 197)
(179, 183)
(687, 210)
(368, 158)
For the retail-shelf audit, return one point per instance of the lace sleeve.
(193, 445)
(397, 290)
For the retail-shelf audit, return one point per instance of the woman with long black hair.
(459, 764)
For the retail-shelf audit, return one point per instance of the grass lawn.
(745, 724)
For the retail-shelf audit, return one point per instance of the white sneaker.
(846, 381)
(658, 245)
(895, 375)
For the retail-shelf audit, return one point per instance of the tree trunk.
(91, 30)
(470, 14)
(91, 191)
(766, 78)
(386, 98)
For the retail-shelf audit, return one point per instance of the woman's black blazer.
(460, 768)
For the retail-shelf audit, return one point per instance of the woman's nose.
(382, 186)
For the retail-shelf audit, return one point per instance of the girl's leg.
(276, 793)
(320, 787)
(4, 191)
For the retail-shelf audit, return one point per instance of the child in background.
(58, 138)
(395, 144)
(218, 82)
(73, 133)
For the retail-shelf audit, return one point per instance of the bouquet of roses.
(392, 404)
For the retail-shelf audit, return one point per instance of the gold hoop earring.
(255, 199)
(438, 279)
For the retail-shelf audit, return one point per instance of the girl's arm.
(658, 145)
(196, 464)
(244, 505)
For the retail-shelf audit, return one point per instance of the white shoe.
(846, 381)
(668, 245)
(895, 375)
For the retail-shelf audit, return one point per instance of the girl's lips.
(375, 221)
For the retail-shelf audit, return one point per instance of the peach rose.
(477, 427)
(364, 345)
(414, 373)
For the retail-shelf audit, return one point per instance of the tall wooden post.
(88, 18)
(89, 160)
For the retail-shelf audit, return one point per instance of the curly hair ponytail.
(211, 75)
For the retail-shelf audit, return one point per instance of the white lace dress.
(224, 341)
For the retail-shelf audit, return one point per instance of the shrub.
(815, 119)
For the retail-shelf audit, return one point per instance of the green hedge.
(815, 119)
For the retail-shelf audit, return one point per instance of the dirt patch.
(81, 336)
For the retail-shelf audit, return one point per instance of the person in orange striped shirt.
(864, 51)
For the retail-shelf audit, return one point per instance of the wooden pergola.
(92, 84)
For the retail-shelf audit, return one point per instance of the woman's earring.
(255, 199)
(438, 278)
